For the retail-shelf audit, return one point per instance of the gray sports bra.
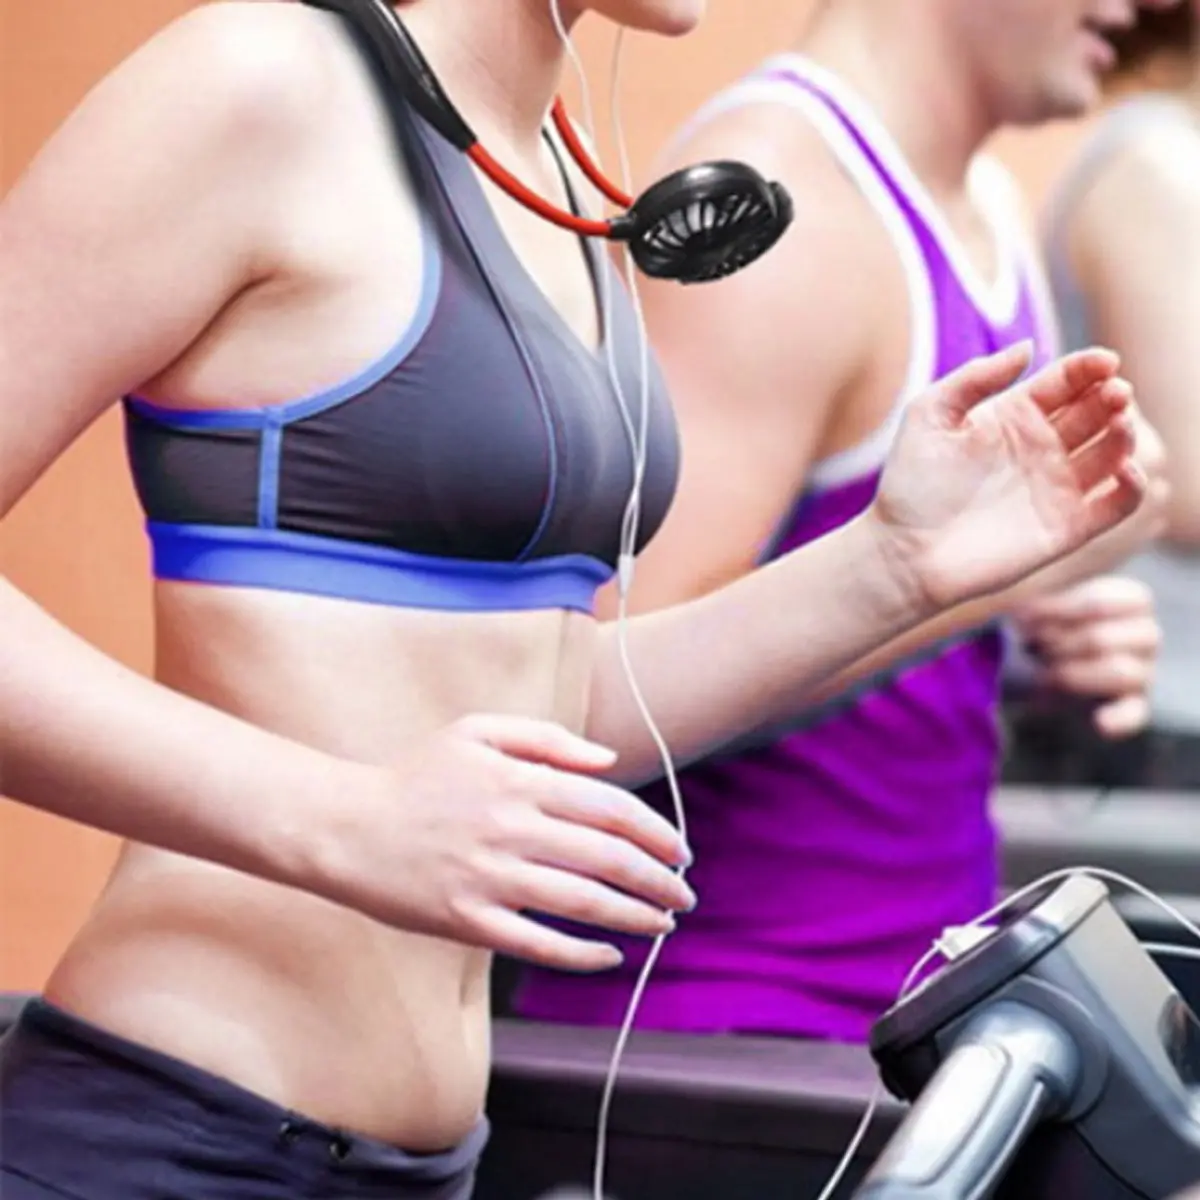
(482, 464)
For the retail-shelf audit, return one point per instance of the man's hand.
(1097, 639)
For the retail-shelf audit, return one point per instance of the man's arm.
(757, 372)
(997, 189)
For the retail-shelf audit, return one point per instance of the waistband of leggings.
(176, 1084)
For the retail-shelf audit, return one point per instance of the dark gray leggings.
(85, 1115)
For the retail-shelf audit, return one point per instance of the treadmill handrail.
(779, 1094)
(1011, 1069)
(1152, 836)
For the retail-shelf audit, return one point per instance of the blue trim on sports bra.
(270, 453)
(308, 406)
(300, 562)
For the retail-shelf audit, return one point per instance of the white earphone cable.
(638, 434)
(939, 949)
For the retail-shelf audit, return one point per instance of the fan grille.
(709, 237)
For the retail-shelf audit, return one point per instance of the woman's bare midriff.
(304, 1003)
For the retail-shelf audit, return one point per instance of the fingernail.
(1026, 351)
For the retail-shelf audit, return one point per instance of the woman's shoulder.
(259, 60)
(1141, 156)
(1149, 140)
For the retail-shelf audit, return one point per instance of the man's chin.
(1068, 101)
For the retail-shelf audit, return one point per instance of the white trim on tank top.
(868, 455)
(998, 188)
(997, 301)
(991, 186)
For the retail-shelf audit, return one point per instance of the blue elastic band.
(300, 562)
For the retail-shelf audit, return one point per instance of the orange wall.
(50, 870)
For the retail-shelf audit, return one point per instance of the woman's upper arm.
(136, 224)
(1135, 246)
(754, 364)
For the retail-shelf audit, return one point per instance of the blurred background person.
(1122, 237)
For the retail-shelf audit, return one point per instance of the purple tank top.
(828, 861)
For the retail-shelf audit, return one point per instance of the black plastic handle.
(1012, 1068)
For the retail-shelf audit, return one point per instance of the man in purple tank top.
(830, 855)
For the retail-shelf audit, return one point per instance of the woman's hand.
(1100, 640)
(496, 817)
(991, 479)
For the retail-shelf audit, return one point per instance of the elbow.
(1171, 508)
(1181, 522)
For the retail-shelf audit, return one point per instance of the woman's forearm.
(84, 737)
(749, 659)
(842, 635)
(749, 655)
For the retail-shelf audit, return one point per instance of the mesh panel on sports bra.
(174, 469)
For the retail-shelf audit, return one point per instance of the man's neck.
(898, 58)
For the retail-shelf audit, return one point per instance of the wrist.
(889, 567)
(308, 833)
